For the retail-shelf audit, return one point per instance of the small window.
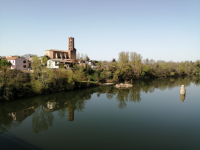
(24, 61)
(24, 66)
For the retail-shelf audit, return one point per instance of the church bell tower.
(71, 49)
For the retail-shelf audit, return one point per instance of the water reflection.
(22, 114)
(41, 108)
(182, 97)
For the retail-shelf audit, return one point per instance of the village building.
(19, 63)
(63, 54)
(55, 63)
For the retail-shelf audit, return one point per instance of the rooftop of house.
(12, 58)
(57, 50)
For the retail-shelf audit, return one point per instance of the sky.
(166, 30)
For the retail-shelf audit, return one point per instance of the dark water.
(151, 115)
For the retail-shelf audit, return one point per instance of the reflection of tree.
(41, 119)
(6, 119)
(98, 94)
(134, 95)
(61, 112)
(71, 101)
(151, 89)
(109, 95)
(122, 98)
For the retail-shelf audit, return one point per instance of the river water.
(150, 115)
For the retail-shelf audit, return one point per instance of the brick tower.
(71, 49)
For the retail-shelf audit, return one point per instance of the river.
(150, 115)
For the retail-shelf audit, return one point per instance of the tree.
(87, 58)
(4, 63)
(123, 57)
(4, 68)
(145, 70)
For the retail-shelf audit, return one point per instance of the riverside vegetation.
(130, 65)
(42, 119)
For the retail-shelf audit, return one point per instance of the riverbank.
(27, 91)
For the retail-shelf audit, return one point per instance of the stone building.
(63, 54)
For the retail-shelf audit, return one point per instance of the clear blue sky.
(156, 29)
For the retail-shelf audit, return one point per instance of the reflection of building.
(182, 97)
(60, 54)
(22, 114)
(52, 106)
(70, 114)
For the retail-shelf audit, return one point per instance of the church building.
(63, 54)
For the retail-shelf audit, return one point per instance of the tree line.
(129, 66)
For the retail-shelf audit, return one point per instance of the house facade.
(18, 63)
(54, 63)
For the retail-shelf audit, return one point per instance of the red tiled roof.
(12, 58)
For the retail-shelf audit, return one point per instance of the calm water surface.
(151, 115)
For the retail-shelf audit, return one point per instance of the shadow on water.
(40, 108)
(9, 141)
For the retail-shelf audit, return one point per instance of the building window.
(24, 61)
(24, 66)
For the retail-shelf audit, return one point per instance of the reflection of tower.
(70, 114)
(182, 97)
(71, 49)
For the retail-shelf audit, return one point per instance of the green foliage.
(79, 74)
(37, 87)
(61, 65)
(87, 58)
(145, 70)
(164, 66)
(44, 60)
(123, 57)
(181, 69)
(4, 63)
(172, 73)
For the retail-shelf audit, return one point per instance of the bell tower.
(70, 43)
(71, 49)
